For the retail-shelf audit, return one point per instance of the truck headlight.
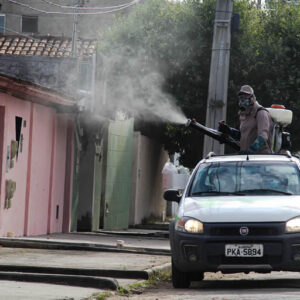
(293, 225)
(189, 225)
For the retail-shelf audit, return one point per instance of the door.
(118, 175)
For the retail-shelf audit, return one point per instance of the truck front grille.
(268, 229)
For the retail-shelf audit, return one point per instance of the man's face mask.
(245, 101)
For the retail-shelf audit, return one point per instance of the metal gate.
(118, 175)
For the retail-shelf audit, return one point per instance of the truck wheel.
(180, 279)
(196, 276)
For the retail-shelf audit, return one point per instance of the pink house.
(36, 159)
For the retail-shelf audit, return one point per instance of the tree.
(160, 56)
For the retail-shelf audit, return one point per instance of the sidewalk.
(137, 241)
(99, 260)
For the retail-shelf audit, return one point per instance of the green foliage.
(162, 46)
(154, 279)
(171, 46)
(104, 296)
(137, 288)
(123, 291)
(266, 55)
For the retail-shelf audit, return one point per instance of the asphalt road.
(274, 286)
(16, 290)
(81, 260)
(118, 261)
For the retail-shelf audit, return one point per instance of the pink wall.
(12, 219)
(39, 171)
(58, 185)
(2, 115)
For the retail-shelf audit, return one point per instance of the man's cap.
(246, 89)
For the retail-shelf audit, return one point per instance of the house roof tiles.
(44, 46)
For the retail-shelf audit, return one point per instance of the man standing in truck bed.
(256, 125)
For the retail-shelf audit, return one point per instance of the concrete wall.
(88, 26)
(39, 170)
(147, 192)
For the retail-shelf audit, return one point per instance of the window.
(85, 76)
(2, 23)
(254, 178)
(30, 24)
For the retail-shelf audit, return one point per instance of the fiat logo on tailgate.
(244, 230)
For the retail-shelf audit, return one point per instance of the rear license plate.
(244, 250)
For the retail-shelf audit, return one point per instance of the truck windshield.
(246, 178)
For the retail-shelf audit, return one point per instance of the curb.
(94, 278)
(154, 226)
(83, 281)
(158, 234)
(38, 244)
(163, 268)
(128, 274)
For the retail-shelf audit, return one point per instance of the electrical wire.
(75, 12)
(86, 8)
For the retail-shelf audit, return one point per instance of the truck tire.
(180, 279)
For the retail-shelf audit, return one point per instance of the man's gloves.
(286, 141)
(255, 146)
(224, 128)
(229, 131)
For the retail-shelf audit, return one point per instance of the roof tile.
(46, 46)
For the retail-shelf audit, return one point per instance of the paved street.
(17, 290)
(34, 268)
(215, 286)
(79, 259)
(84, 271)
(275, 286)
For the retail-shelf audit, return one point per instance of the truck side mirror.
(172, 195)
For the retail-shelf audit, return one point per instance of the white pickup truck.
(238, 213)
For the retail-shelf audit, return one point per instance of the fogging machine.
(213, 133)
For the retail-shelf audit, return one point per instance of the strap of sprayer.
(259, 109)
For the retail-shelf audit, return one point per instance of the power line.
(87, 8)
(72, 13)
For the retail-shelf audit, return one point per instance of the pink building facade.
(36, 160)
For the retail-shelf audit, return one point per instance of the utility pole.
(219, 71)
(74, 33)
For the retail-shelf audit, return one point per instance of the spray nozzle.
(190, 121)
(187, 124)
